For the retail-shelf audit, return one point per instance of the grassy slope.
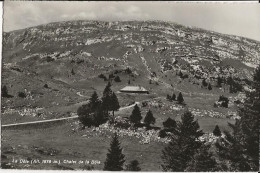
(23, 143)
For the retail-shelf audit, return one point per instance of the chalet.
(134, 89)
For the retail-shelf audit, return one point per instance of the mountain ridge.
(165, 21)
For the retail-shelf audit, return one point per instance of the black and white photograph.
(154, 86)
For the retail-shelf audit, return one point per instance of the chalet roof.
(134, 88)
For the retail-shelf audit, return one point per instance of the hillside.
(69, 57)
(57, 67)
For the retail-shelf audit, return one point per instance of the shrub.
(102, 76)
(173, 97)
(117, 79)
(209, 87)
(162, 133)
(72, 72)
(237, 102)
(235, 87)
(185, 76)
(45, 86)
(144, 103)
(153, 74)
(21, 94)
(110, 76)
(128, 70)
(223, 100)
(122, 124)
(133, 166)
(49, 59)
(4, 91)
(204, 83)
(139, 125)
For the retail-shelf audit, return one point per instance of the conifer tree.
(219, 81)
(106, 98)
(173, 97)
(209, 87)
(99, 116)
(114, 104)
(136, 116)
(168, 97)
(4, 91)
(217, 131)
(94, 101)
(133, 166)
(230, 150)
(203, 161)
(92, 113)
(180, 98)
(72, 72)
(107, 90)
(181, 74)
(117, 79)
(204, 83)
(115, 158)
(90, 116)
(183, 145)
(149, 118)
(86, 116)
(169, 123)
(241, 147)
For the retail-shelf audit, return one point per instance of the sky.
(242, 19)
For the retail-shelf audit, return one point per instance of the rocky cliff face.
(168, 45)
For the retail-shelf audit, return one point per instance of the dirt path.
(58, 119)
(127, 107)
(39, 122)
